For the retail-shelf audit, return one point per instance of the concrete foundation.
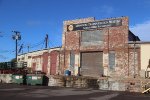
(104, 83)
(6, 78)
(72, 81)
(56, 80)
(126, 84)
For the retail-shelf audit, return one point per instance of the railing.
(146, 88)
(12, 65)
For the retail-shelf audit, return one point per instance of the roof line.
(40, 50)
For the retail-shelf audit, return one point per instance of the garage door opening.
(92, 64)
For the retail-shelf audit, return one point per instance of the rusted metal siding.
(54, 62)
(92, 64)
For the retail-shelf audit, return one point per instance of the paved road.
(17, 92)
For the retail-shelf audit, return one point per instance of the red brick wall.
(54, 62)
(115, 38)
(72, 40)
(45, 62)
(137, 62)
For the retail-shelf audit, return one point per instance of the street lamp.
(16, 37)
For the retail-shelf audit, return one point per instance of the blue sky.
(35, 18)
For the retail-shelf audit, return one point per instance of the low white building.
(145, 57)
(41, 60)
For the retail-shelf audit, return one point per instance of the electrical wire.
(40, 43)
(37, 44)
(3, 57)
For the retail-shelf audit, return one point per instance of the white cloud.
(147, 3)
(36, 22)
(142, 30)
(2, 57)
(105, 9)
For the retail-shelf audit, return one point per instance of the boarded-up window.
(111, 59)
(72, 59)
(92, 37)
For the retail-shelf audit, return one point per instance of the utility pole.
(134, 58)
(46, 41)
(21, 49)
(135, 39)
(16, 37)
(28, 47)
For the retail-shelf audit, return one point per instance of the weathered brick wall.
(61, 63)
(42, 60)
(115, 39)
(134, 61)
(36, 63)
(54, 62)
(71, 40)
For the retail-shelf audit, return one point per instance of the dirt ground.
(22, 92)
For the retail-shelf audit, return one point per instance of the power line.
(3, 35)
(31, 46)
(46, 41)
(3, 57)
(42, 45)
(37, 44)
(16, 37)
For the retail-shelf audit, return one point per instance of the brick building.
(105, 49)
(91, 48)
(100, 47)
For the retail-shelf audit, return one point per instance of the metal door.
(92, 64)
(33, 67)
(53, 62)
(45, 62)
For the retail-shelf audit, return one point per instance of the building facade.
(104, 49)
(100, 47)
(46, 61)
(145, 59)
(94, 48)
